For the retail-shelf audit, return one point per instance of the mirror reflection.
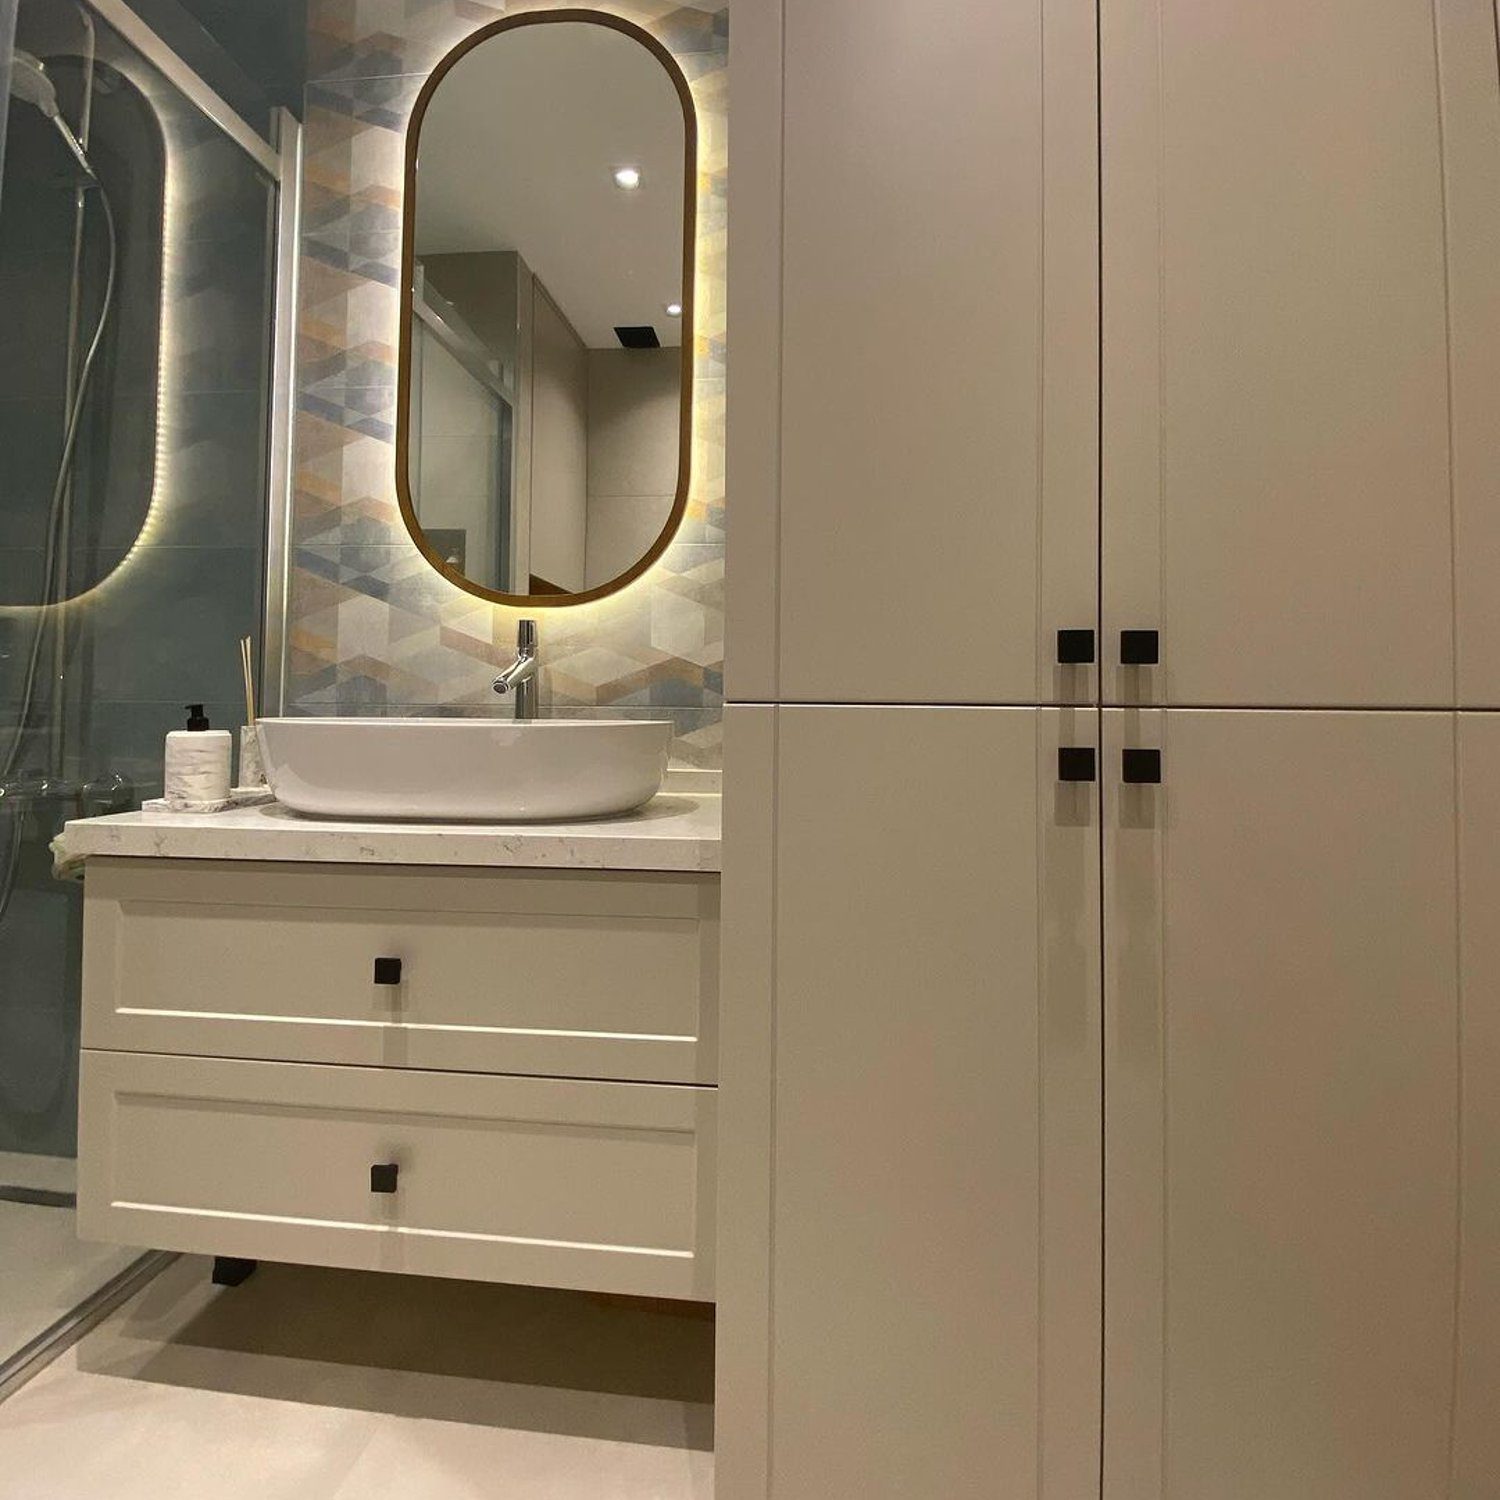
(543, 433)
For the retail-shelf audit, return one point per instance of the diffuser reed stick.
(246, 667)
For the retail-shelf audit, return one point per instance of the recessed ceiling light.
(627, 177)
(674, 309)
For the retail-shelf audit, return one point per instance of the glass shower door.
(137, 280)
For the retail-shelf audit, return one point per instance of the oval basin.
(465, 770)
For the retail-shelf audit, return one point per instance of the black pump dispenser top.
(197, 719)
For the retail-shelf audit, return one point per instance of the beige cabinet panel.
(1476, 1447)
(915, 441)
(747, 1043)
(593, 975)
(917, 1063)
(1301, 290)
(552, 1182)
(1281, 1106)
(752, 420)
(1471, 119)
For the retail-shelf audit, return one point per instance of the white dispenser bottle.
(197, 764)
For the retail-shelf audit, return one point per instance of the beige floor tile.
(417, 1460)
(45, 1269)
(58, 1174)
(309, 1384)
(69, 1435)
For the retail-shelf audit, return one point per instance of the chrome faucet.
(521, 675)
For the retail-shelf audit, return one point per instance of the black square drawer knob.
(1141, 767)
(383, 1177)
(1140, 648)
(387, 971)
(1075, 763)
(1075, 647)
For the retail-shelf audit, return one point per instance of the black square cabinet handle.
(383, 1177)
(1140, 648)
(387, 971)
(1141, 767)
(1075, 763)
(1075, 648)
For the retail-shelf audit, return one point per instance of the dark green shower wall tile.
(29, 747)
(219, 195)
(35, 296)
(166, 626)
(21, 571)
(221, 310)
(129, 738)
(213, 475)
(207, 483)
(30, 444)
(38, 1056)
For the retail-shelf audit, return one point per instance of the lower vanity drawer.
(577, 974)
(549, 1182)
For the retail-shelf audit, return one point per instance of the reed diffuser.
(252, 771)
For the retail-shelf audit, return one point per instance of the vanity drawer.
(590, 974)
(549, 1182)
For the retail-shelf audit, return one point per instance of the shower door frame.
(282, 163)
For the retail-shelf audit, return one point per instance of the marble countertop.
(676, 831)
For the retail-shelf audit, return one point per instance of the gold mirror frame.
(689, 291)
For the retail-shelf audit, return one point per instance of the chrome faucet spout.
(520, 677)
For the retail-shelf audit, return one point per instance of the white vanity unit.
(456, 1050)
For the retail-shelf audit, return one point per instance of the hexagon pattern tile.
(371, 628)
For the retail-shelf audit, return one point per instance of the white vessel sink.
(465, 770)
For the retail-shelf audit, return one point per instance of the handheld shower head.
(30, 83)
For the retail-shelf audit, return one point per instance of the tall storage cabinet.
(933, 1032)
(1301, 350)
(915, 300)
(1283, 1027)
(1111, 1048)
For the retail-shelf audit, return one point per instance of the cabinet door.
(1281, 1106)
(1476, 1432)
(1301, 290)
(911, 1043)
(913, 433)
(543, 1181)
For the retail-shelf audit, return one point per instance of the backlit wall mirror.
(543, 422)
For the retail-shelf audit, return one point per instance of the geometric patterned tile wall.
(371, 628)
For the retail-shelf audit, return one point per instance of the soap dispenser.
(197, 764)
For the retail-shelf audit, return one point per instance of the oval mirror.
(544, 401)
